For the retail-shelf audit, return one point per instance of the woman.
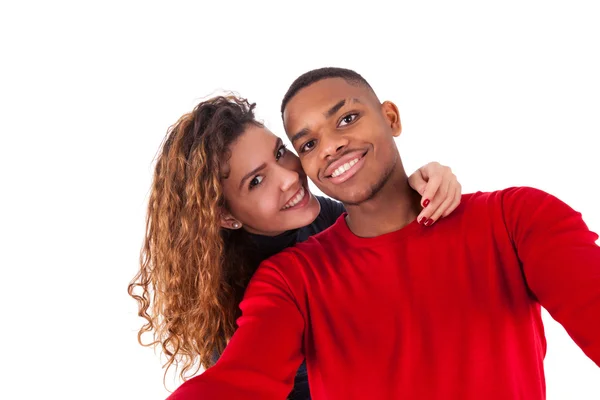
(226, 195)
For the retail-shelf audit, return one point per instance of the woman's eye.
(281, 152)
(348, 119)
(256, 181)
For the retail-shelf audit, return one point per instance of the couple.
(378, 305)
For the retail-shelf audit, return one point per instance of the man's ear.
(228, 221)
(392, 115)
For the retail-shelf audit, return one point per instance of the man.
(384, 309)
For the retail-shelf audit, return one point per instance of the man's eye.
(256, 181)
(307, 146)
(348, 119)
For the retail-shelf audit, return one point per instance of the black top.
(267, 246)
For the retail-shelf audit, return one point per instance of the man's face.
(344, 137)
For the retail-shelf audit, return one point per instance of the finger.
(431, 190)
(423, 217)
(443, 207)
(441, 196)
(430, 169)
(418, 182)
(455, 203)
(438, 198)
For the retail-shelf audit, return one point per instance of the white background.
(506, 93)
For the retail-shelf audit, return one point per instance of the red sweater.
(444, 312)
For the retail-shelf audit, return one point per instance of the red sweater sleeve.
(560, 261)
(263, 355)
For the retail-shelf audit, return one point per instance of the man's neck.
(392, 208)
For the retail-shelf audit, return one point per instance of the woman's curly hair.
(192, 274)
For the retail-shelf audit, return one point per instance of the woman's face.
(265, 187)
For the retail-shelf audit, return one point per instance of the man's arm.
(263, 355)
(560, 261)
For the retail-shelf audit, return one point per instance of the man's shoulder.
(509, 204)
(510, 194)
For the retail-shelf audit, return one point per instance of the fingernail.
(429, 222)
(423, 219)
(426, 203)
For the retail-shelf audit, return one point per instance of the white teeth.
(340, 170)
(295, 200)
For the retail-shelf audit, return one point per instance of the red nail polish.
(426, 203)
(429, 222)
(423, 219)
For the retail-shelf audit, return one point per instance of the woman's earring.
(236, 225)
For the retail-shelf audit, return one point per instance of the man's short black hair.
(316, 75)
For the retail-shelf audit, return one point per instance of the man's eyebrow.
(328, 114)
(298, 135)
(338, 106)
(335, 108)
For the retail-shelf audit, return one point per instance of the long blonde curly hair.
(193, 273)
